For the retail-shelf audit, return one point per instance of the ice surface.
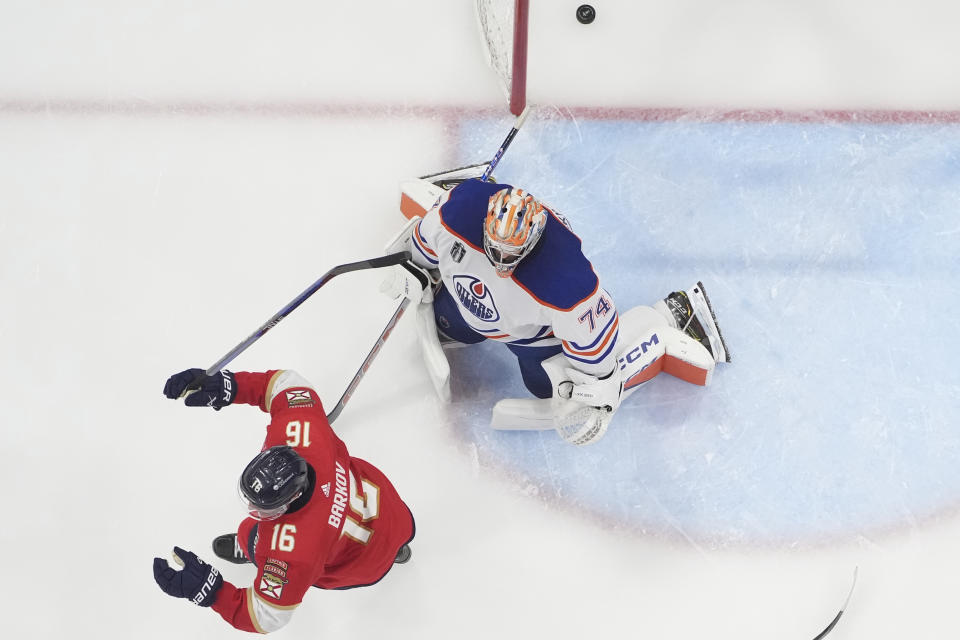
(172, 176)
(830, 255)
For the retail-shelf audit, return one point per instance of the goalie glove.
(410, 281)
(585, 405)
(602, 392)
(580, 424)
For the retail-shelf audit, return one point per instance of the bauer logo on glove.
(201, 390)
(198, 581)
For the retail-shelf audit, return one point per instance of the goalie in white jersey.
(496, 264)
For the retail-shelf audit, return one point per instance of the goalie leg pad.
(421, 194)
(417, 197)
(523, 414)
(668, 350)
(399, 242)
(438, 368)
(651, 346)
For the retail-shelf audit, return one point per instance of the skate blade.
(701, 293)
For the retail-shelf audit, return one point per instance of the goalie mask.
(272, 481)
(514, 224)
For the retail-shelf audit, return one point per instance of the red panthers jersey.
(347, 534)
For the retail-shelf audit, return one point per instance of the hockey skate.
(403, 555)
(226, 547)
(694, 315)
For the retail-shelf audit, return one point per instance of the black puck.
(586, 14)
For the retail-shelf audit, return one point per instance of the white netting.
(496, 21)
(580, 424)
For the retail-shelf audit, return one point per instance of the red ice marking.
(452, 115)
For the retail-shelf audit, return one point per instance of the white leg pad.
(421, 194)
(433, 356)
(399, 242)
(418, 196)
(523, 414)
(650, 346)
(653, 345)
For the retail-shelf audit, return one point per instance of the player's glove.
(215, 391)
(410, 281)
(197, 581)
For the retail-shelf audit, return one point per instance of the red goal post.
(503, 29)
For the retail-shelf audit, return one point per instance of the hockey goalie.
(491, 262)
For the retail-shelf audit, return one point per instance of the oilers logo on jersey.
(475, 297)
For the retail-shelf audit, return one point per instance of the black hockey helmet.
(272, 480)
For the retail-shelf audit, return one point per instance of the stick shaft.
(506, 143)
(836, 619)
(372, 263)
(362, 371)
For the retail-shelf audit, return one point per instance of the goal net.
(503, 29)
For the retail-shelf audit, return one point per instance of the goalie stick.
(506, 143)
(836, 618)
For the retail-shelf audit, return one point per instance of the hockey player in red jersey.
(317, 516)
(491, 262)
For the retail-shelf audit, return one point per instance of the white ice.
(172, 175)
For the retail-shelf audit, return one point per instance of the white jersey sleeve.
(588, 333)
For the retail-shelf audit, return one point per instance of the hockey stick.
(836, 619)
(506, 143)
(372, 263)
(345, 398)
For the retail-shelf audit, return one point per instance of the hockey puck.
(586, 14)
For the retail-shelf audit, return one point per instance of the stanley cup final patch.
(457, 251)
(299, 398)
